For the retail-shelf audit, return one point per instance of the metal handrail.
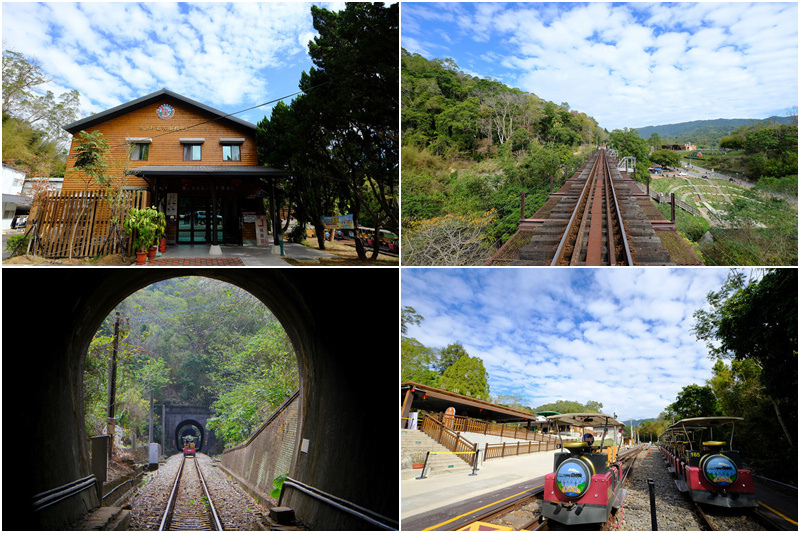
(341, 504)
(53, 496)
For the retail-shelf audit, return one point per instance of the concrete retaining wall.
(268, 453)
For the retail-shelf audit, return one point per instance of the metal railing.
(350, 508)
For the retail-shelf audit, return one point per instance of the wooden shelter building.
(198, 164)
(422, 397)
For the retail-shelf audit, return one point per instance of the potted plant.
(143, 222)
(161, 221)
(160, 227)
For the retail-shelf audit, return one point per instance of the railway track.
(190, 507)
(597, 222)
(523, 512)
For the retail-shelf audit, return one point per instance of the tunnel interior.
(335, 378)
(193, 428)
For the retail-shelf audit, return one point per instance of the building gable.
(165, 123)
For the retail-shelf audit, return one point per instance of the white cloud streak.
(628, 65)
(229, 56)
(618, 336)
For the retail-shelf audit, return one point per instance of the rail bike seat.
(577, 447)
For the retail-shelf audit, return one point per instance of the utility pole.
(112, 387)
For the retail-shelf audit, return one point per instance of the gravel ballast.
(237, 511)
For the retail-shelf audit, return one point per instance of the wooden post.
(112, 386)
(672, 202)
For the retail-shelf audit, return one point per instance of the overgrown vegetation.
(745, 227)
(192, 341)
(33, 140)
(471, 146)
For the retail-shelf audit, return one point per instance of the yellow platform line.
(480, 509)
(777, 513)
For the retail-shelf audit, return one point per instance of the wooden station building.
(199, 166)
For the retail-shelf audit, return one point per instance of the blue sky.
(618, 336)
(626, 64)
(228, 56)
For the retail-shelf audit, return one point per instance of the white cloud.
(627, 64)
(225, 55)
(618, 336)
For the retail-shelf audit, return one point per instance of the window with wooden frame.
(231, 149)
(192, 149)
(140, 148)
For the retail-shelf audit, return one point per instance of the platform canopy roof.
(437, 400)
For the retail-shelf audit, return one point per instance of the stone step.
(417, 443)
(106, 519)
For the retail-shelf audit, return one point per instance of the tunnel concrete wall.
(337, 327)
(268, 453)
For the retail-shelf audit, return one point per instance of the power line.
(239, 112)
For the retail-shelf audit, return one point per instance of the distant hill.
(703, 133)
(636, 421)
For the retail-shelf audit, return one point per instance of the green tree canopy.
(756, 321)
(467, 376)
(694, 401)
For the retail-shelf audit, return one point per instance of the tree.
(449, 355)
(356, 59)
(467, 376)
(694, 401)
(756, 320)
(24, 99)
(293, 140)
(629, 144)
(571, 406)
(655, 141)
(417, 362)
(409, 316)
(665, 158)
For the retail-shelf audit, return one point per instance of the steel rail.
(625, 246)
(216, 522)
(562, 245)
(172, 497)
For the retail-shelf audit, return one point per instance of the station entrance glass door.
(195, 220)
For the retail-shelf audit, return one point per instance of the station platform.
(424, 496)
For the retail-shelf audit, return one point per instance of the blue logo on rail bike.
(720, 471)
(571, 480)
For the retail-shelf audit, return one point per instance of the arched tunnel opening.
(337, 375)
(191, 428)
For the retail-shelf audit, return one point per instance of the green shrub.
(17, 245)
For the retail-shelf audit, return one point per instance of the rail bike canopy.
(583, 420)
(688, 427)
